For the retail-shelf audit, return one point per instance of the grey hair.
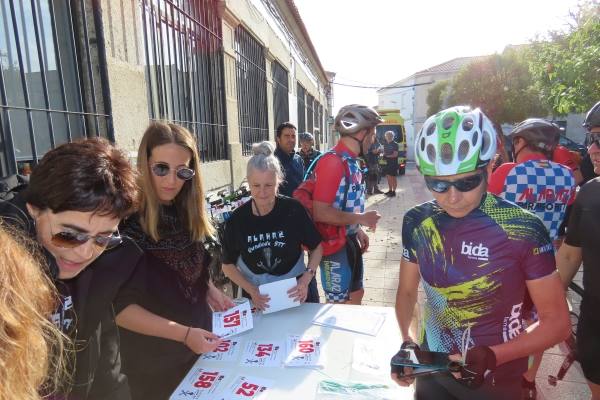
(264, 160)
(390, 132)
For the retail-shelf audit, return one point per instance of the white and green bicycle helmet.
(455, 141)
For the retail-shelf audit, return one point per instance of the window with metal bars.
(310, 117)
(301, 109)
(318, 110)
(52, 79)
(184, 69)
(251, 90)
(280, 94)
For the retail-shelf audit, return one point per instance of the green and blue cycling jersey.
(473, 270)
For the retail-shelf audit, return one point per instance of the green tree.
(501, 85)
(435, 97)
(566, 66)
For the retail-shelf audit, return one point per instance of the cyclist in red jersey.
(338, 177)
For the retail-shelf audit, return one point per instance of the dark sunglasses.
(163, 169)
(70, 240)
(462, 185)
(593, 138)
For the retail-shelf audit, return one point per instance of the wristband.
(309, 270)
(186, 335)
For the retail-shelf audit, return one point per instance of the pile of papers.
(350, 319)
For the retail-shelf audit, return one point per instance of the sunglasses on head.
(462, 185)
(594, 138)
(163, 169)
(69, 240)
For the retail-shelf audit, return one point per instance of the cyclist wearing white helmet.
(475, 254)
(339, 199)
(582, 243)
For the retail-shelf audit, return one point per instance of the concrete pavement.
(381, 278)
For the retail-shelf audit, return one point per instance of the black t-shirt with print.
(270, 243)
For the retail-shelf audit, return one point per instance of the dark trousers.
(157, 385)
(313, 293)
(445, 387)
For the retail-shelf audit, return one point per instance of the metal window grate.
(280, 94)
(52, 79)
(184, 69)
(310, 117)
(251, 90)
(318, 124)
(301, 109)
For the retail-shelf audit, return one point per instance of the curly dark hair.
(85, 175)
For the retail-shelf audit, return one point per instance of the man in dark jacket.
(292, 164)
(73, 204)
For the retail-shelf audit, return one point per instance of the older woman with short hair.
(263, 239)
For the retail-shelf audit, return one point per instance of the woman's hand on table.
(260, 301)
(217, 300)
(201, 341)
(300, 291)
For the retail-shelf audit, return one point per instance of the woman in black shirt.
(263, 238)
(171, 227)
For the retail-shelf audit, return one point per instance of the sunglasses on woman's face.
(163, 169)
(462, 185)
(70, 240)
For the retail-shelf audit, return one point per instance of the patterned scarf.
(176, 250)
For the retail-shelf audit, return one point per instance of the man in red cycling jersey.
(339, 199)
(582, 243)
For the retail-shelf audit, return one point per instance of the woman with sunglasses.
(474, 254)
(76, 197)
(171, 227)
(263, 239)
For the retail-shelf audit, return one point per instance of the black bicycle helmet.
(354, 118)
(538, 133)
(306, 137)
(592, 118)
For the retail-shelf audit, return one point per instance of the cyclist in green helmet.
(474, 254)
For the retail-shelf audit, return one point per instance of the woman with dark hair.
(72, 207)
(172, 228)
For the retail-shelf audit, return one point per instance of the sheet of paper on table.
(350, 319)
(304, 351)
(265, 353)
(247, 387)
(277, 291)
(236, 320)
(201, 383)
(226, 351)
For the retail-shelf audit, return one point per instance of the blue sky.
(378, 42)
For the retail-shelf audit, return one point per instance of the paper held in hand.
(278, 292)
(350, 319)
(236, 320)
